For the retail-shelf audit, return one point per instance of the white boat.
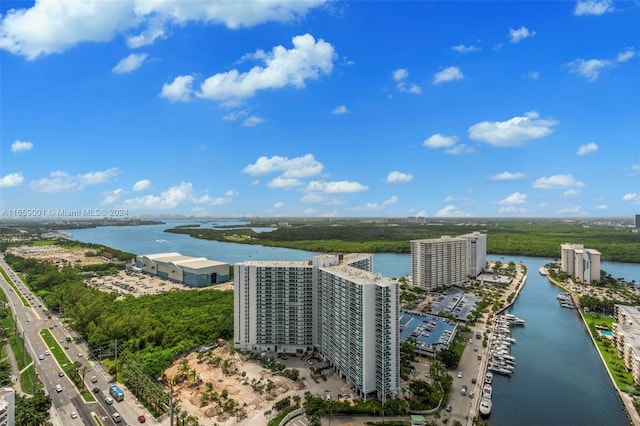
(489, 377)
(485, 406)
(487, 390)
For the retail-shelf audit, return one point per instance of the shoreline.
(627, 401)
(519, 281)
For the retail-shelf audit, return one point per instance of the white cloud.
(340, 109)
(571, 193)
(377, 206)
(557, 182)
(21, 146)
(440, 141)
(130, 63)
(399, 177)
(335, 187)
(515, 198)
(634, 170)
(508, 176)
(318, 198)
(252, 121)
(400, 76)
(459, 149)
(307, 60)
(298, 167)
(54, 26)
(448, 74)
(174, 196)
(179, 90)
(513, 132)
(60, 181)
(145, 38)
(235, 115)
(593, 7)
(601, 207)
(533, 75)
(461, 48)
(588, 148)
(631, 197)
(278, 205)
(626, 55)
(11, 180)
(283, 182)
(141, 185)
(451, 211)
(112, 197)
(515, 36)
(589, 69)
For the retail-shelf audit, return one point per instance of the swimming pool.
(606, 333)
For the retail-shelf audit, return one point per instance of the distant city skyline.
(320, 108)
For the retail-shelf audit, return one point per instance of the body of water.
(559, 378)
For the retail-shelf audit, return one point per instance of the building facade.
(334, 305)
(438, 262)
(476, 253)
(191, 271)
(580, 263)
(626, 332)
(7, 407)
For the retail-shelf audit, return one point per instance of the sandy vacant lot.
(253, 389)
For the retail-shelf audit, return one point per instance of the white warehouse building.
(191, 271)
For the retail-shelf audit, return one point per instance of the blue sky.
(321, 108)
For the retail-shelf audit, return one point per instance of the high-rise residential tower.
(334, 305)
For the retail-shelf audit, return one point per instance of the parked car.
(141, 418)
(74, 415)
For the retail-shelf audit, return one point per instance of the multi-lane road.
(70, 408)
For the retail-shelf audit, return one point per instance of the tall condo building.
(438, 262)
(333, 304)
(476, 253)
(579, 262)
(7, 406)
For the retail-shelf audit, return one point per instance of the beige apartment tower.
(438, 262)
(579, 262)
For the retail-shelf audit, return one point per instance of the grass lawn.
(615, 365)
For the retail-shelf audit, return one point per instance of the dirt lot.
(246, 382)
(138, 284)
(56, 255)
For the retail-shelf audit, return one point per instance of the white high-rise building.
(7, 406)
(334, 304)
(476, 252)
(579, 262)
(438, 262)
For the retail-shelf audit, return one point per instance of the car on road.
(116, 417)
(47, 353)
(41, 357)
(460, 374)
(94, 379)
(74, 415)
(463, 391)
(60, 374)
(108, 400)
(58, 388)
(96, 390)
(141, 418)
(448, 408)
(470, 394)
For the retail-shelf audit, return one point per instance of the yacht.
(487, 390)
(489, 377)
(485, 406)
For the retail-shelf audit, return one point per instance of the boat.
(501, 370)
(487, 390)
(485, 406)
(489, 377)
